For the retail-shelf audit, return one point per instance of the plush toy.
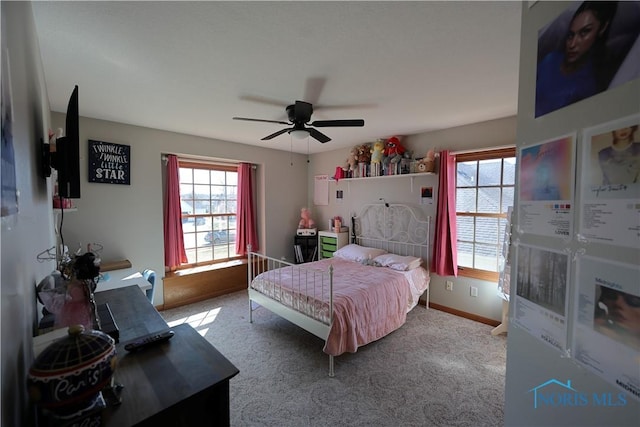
(394, 150)
(369, 261)
(427, 164)
(430, 155)
(306, 221)
(364, 154)
(377, 151)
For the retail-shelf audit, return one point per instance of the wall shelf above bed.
(404, 175)
(369, 178)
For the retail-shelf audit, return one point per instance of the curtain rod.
(208, 161)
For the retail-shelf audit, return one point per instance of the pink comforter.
(369, 302)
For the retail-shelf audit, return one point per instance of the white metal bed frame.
(393, 227)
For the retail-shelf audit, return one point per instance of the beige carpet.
(436, 370)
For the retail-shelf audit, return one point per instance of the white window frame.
(205, 222)
(502, 153)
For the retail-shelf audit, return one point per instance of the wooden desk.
(181, 382)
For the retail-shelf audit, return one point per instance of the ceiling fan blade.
(273, 135)
(261, 120)
(263, 100)
(319, 135)
(338, 123)
(323, 107)
(313, 89)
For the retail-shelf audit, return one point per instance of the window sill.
(209, 267)
(489, 276)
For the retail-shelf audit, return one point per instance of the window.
(208, 197)
(485, 183)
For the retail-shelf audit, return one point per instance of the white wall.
(529, 361)
(26, 234)
(406, 189)
(127, 219)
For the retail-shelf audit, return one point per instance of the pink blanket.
(368, 302)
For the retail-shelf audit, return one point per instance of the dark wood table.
(180, 382)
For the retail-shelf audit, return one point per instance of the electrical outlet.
(474, 291)
(449, 285)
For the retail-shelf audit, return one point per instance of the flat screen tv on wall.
(66, 159)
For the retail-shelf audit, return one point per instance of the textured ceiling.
(189, 67)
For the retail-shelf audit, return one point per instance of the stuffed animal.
(369, 261)
(364, 154)
(394, 150)
(430, 155)
(305, 219)
(427, 164)
(377, 151)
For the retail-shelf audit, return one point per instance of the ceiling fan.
(299, 115)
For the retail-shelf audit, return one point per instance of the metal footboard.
(299, 293)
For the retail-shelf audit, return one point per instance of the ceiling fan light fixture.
(299, 134)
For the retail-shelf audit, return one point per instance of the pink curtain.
(445, 257)
(174, 253)
(246, 221)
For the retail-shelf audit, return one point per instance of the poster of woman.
(615, 155)
(611, 182)
(589, 48)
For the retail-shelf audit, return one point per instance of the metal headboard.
(396, 228)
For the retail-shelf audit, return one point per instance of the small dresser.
(331, 241)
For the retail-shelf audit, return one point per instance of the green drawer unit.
(331, 241)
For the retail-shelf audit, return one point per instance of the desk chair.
(150, 276)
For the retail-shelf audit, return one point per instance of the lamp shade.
(299, 134)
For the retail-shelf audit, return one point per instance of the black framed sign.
(109, 163)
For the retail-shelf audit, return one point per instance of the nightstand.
(331, 241)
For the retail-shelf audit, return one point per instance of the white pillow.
(357, 253)
(398, 262)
